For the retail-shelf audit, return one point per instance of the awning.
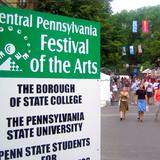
(147, 71)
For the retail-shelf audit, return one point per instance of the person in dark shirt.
(141, 99)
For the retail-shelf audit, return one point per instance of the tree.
(150, 41)
(84, 9)
(116, 30)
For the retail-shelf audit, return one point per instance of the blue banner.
(134, 27)
(131, 48)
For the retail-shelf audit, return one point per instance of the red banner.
(145, 26)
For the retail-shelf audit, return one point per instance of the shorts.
(141, 105)
(149, 94)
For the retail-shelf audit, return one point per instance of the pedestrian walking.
(115, 91)
(134, 88)
(123, 103)
(149, 90)
(141, 99)
(157, 101)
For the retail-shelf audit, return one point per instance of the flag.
(139, 49)
(141, 68)
(134, 27)
(131, 48)
(135, 71)
(145, 26)
(123, 51)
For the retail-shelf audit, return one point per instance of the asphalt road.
(129, 139)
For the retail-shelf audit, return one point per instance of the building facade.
(25, 4)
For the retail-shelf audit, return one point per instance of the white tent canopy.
(147, 70)
(105, 89)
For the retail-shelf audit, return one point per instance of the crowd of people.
(138, 92)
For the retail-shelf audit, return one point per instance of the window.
(22, 3)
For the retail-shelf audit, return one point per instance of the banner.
(145, 26)
(131, 48)
(135, 27)
(135, 71)
(34, 46)
(49, 87)
(141, 68)
(139, 49)
(124, 51)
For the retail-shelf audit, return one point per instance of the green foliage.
(96, 10)
(116, 30)
(150, 41)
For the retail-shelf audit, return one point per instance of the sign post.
(49, 88)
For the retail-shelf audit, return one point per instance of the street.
(129, 139)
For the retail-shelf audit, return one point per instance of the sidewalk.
(129, 139)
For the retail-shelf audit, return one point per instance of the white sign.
(49, 88)
(46, 119)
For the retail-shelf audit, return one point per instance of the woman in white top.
(115, 91)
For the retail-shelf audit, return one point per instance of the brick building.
(25, 4)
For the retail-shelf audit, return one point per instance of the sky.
(119, 5)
